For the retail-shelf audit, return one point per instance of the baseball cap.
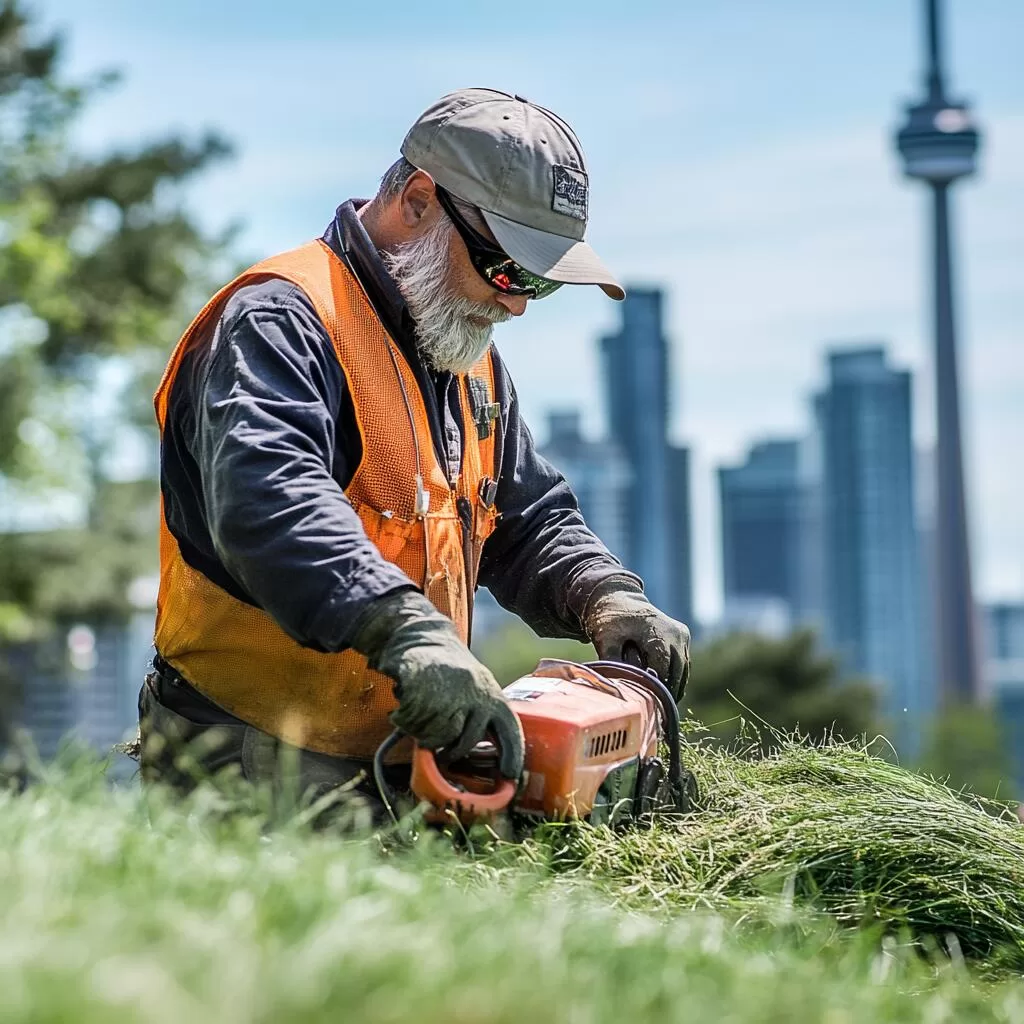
(523, 167)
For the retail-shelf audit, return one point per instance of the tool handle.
(632, 655)
(429, 783)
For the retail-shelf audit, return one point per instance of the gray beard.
(447, 339)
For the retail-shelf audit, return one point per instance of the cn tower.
(938, 144)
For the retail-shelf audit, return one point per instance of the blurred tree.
(514, 650)
(100, 268)
(787, 683)
(72, 574)
(8, 700)
(968, 747)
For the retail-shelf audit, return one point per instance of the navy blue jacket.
(261, 440)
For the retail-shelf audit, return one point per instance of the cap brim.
(553, 256)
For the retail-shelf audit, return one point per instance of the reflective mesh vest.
(235, 653)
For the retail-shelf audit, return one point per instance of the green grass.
(119, 906)
(832, 828)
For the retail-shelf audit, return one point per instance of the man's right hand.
(446, 697)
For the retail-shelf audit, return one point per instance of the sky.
(740, 156)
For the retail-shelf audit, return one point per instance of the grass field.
(120, 907)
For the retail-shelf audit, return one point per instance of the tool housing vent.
(605, 743)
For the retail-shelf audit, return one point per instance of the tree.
(101, 266)
(968, 747)
(787, 683)
(514, 650)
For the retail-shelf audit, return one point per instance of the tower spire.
(936, 89)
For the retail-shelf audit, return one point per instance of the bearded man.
(343, 462)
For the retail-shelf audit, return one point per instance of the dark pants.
(185, 739)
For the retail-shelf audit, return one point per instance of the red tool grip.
(428, 783)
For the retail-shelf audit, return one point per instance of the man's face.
(455, 309)
(464, 279)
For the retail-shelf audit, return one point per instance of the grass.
(832, 828)
(816, 885)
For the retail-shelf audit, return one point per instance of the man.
(343, 462)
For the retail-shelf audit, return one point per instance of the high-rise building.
(599, 475)
(87, 689)
(938, 144)
(870, 549)
(680, 580)
(772, 559)
(636, 375)
(1004, 634)
(761, 509)
(1003, 674)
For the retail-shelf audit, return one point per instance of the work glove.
(446, 697)
(624, 626)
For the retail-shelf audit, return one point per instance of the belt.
(177, 694)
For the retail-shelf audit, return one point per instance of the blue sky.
(739, 155)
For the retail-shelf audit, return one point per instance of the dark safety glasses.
(497, 268)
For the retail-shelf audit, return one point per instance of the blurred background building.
(634, 486)
(637, 368)
(762, 509)
(871, 569)
(1003, 674)
(600, 475)
(820, 531)
(82, 685)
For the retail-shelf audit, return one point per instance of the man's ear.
(418, 201)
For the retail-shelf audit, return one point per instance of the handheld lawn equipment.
(592, 736)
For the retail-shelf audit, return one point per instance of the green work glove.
(619, 617)
(446, 698)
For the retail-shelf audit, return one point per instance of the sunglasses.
(496, 267)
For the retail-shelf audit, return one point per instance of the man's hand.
(446, 698)
(618, 617)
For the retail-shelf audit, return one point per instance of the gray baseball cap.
(523, 167)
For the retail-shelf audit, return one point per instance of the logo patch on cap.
(570, 195)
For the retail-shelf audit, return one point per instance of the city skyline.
(778, 227)
(823, 531)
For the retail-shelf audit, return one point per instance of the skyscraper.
(761, 511)
(599, 475)
(95, 702)
(938, 145)
(636, 374)
(1004, 674)
(871, 570)
(680, 580)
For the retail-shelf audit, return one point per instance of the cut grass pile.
(833, 828)
(117, 905)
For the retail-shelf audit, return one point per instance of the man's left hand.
(618, 619)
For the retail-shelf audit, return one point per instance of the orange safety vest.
(235, 653)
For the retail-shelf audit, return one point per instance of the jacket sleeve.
(266, 406)
(541, 562)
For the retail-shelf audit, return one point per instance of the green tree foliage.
(787, 683)
(514, 650)
(968, 748)
(96, 249)
(100, 267)
(72, 574)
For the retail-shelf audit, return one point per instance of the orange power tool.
(592, 751)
